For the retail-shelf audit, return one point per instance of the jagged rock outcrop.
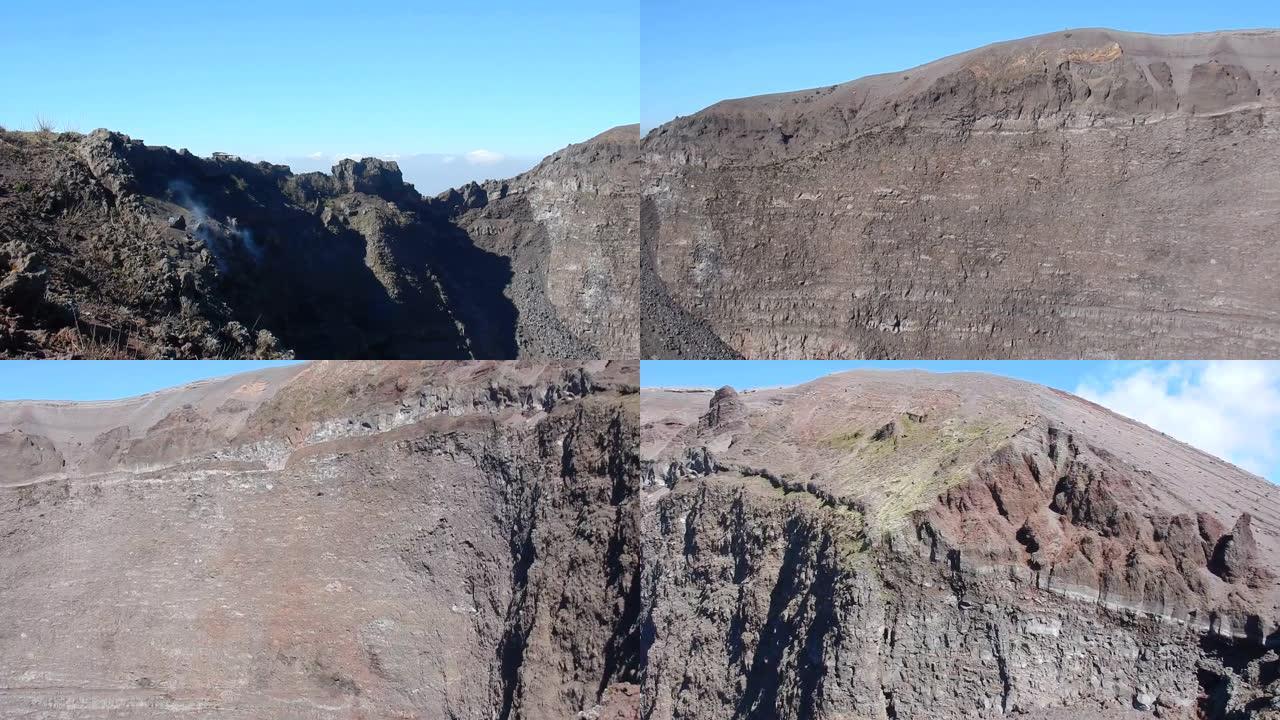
(725, 410)
(336, 540)
(908, 545)
(138, 251)
(1234, 554)
(1088, 193)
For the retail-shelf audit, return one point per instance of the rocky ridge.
(114, 248)
(1089, 193)
(354, 540)
(898, 545)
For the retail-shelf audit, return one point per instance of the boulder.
(370, 176)
(105, 153)
(186, 282)
(474, 196)
(24, 285)
(1233, 559)
(726, 407)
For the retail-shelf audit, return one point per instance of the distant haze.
(430, 173)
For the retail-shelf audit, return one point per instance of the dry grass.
(904, 471)
(45, 125)
(91, 346)
(1094, 56)
(845, 440)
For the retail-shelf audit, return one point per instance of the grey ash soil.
(111, 248)
(1089, 193)
(889, 545)
(331, 540)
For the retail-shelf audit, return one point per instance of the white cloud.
(484, 157)
(316, 155)
(448, 159)
(1228, 408)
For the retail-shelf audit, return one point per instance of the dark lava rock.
(1233, 560)
(370, 176)
(355, 264)
(25, 279)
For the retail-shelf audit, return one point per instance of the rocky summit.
(1087, 193)
(889, 545)
(112, 248)
(333, 540)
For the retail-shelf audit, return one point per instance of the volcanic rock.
(1088, 193)
(355, 264)
(1233, 558)
(910, 545)
(336, 540)
(24, 279)
(370, 176)
(569, 227)
(726, 410)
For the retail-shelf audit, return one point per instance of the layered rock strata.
(906, 545)
(337, 540)
(1088, 193)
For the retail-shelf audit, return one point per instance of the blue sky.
(742, 375)
(1229, 409)
(697, 53)
(110, 379)
(286, 79)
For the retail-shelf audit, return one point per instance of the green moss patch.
(901, 465)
